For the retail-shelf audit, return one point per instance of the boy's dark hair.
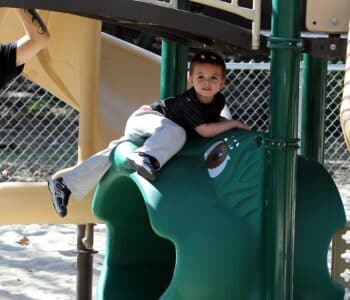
(210, 58)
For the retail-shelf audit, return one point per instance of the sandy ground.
(38, 262)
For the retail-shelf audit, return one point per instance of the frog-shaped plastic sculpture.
(196, 233)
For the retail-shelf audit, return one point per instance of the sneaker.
(142, 164)
(59, 195)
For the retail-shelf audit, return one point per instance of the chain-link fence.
(248, 92)
(38, 132)
(337, 159)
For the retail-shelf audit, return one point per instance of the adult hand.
(36, 36)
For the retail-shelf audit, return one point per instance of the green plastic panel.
(319, 214)
(189, 236)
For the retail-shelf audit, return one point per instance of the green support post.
(313, 107)
(285, 44)
(173, 69)
(173, 75)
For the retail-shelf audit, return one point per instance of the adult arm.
(212, 129)
(35, 38)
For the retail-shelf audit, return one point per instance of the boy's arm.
(35, 38)
(212, 129)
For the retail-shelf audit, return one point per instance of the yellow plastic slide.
(103, 77)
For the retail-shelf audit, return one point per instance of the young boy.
(15, 54)
(164, 124)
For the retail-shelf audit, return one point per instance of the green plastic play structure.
(242, 216)
(260, 227)
(213, 219)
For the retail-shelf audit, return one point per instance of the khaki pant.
(164, 138)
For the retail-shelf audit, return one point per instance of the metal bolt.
(333, 47)
(334, 21)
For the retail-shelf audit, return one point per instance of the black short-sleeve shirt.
(187, 111)
(8, 68)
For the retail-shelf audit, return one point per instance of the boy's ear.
(223, 81)
(190, 78)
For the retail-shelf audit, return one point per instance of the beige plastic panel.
(28, 203)
(130, 77)
(330, 16)
(345, 103)
(340, 248)
(103, 77)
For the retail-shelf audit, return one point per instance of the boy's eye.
(216, 158)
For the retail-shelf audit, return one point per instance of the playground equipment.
(68, 73)
(201, 30)
(345, 105)
(102, 91)
(219, 240)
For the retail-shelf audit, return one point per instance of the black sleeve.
(8, 68)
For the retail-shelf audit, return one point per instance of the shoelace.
(148, 163)
(59, 191)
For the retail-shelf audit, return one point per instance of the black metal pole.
(313, 107)
(85, 241)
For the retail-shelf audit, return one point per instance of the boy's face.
(207, 79)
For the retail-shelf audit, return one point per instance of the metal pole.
(173, 69)
(313, 107)
(85, 240)
(285, 47)
(173, 77)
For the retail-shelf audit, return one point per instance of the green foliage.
(40, 107)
